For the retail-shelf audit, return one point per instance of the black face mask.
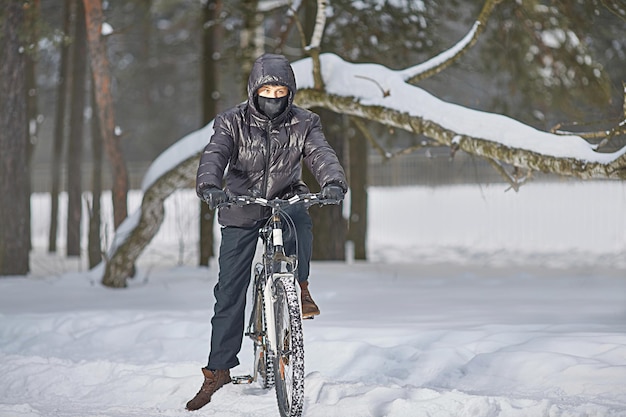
(272, 107)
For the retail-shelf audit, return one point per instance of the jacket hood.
(270, 69)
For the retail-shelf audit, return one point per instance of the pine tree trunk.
(59, 132)
(210, 97)
(75, 145)
(94, 244)
(32, 22)
(14, 187)
(102, 84)
(329, 225)
(357, 177)
(251, 38)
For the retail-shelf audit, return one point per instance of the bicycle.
(275, 324)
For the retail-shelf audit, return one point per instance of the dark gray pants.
(235, 261)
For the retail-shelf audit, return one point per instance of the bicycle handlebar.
(309, 199)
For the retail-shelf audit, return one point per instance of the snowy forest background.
(474, 299)
(550, 66)
(155, 53)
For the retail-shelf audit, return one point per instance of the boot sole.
(310, 316)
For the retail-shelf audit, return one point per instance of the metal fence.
(432, 167)
(543, 223)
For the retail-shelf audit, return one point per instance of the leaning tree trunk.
(146, 222)
(102, 85)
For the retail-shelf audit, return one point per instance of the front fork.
(269, 299)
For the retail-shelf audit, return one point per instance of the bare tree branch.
(383, 91)
(381, 150)
(514, 180)
(300, 29)
(440, 62)
(605, 135)
(616, 8)
(367, 134)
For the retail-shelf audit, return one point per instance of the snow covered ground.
(475, 302)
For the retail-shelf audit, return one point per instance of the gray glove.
(214, 196)
(332, 192)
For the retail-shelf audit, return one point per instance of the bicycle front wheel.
(289, 356)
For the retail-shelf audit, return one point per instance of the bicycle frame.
(279, 358)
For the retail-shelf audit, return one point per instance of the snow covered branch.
(320, 23)
(493, 136)
(377, 93)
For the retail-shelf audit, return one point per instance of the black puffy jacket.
(264, 156)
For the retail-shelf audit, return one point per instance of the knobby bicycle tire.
(264, 366)
(289, 355)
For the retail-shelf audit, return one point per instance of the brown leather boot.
(213, 380)
(309, 308)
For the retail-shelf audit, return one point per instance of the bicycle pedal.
(242, 379)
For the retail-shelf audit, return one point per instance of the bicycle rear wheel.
(289, 357)
(263, 364)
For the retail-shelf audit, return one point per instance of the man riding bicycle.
(262, 141)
